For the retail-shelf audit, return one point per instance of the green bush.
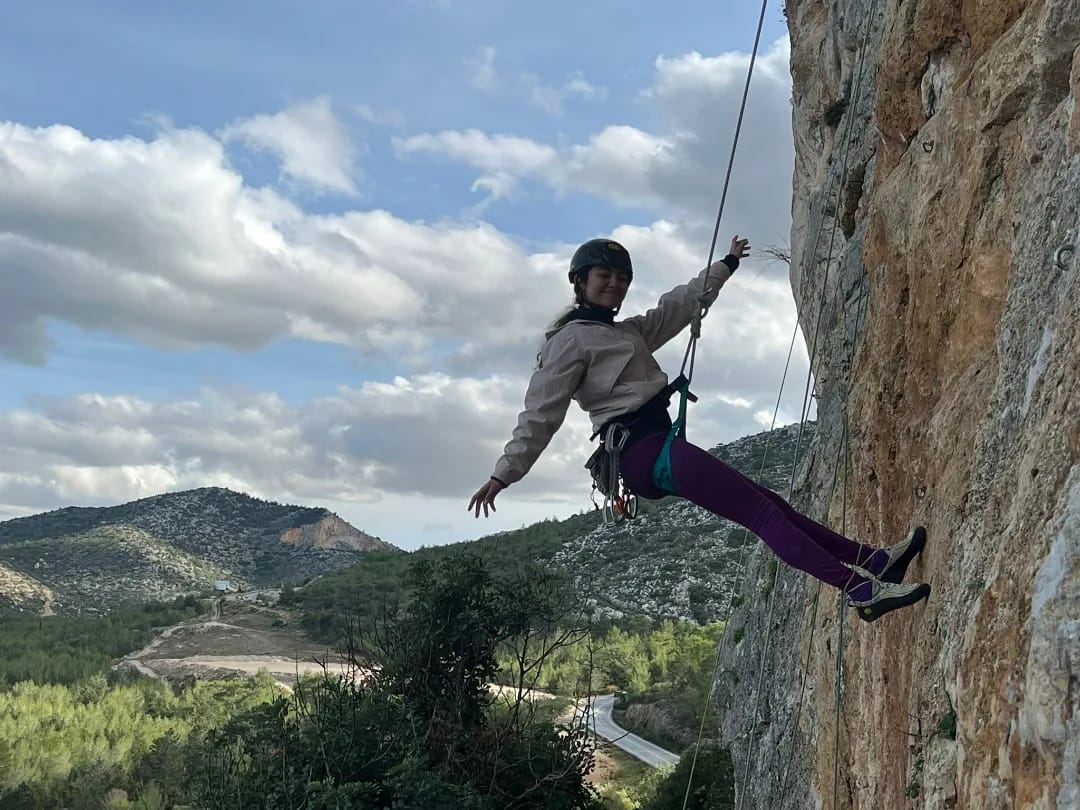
(713, 787)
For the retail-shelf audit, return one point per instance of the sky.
(307, 251)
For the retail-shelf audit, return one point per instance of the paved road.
(603, 726)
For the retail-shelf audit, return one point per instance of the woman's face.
(605, 287)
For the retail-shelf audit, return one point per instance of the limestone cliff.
(333, 533)
(936, 194)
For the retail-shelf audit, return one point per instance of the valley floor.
(238, 638)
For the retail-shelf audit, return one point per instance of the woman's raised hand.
(740, 248)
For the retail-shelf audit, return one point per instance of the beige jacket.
(609, 369)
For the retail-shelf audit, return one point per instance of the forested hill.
(97, 559)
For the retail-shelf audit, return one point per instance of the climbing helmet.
(600, 252)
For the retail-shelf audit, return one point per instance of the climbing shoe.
(901, 555)
(873, 599)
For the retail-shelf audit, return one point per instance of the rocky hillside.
(156, 548)
(937, 206)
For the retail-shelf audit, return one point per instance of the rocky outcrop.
(22, 591)
(937, 193)
(331, 532)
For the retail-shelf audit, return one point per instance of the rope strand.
(727, 182)
(691, 353)
(846, 146)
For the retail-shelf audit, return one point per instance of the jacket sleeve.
(553, 384)
(676, 308)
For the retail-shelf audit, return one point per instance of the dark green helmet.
(600, 252)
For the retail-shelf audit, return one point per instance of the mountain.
(96, 559)
(675, 560)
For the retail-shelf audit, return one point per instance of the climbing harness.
(615, 437)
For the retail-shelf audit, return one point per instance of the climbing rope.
(844, 449)
(741, 568)
(804, 414)
(662, 468)
(842, 452)
(856, 95)
(662, 474)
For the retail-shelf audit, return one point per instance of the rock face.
(332, 532)
(937, 187)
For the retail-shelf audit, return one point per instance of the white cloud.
(367, 451)
(680, 168)
(410, 434)
(493, 153)
(162, 241)
(606, 166)
(551, 99)
(308, 138)
(381, 117)
(480, 66)
(578, 85)
(503, 158)
(428, 435)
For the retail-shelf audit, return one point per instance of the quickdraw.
(619, 502)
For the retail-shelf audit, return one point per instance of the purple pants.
(705, 480)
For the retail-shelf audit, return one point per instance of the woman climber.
(609, 368)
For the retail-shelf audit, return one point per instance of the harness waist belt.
(650, 418)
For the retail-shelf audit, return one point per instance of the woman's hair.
(564, 314)
(579, 301)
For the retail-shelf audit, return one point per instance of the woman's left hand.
(740, 248)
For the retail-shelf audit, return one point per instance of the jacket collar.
(601, 314)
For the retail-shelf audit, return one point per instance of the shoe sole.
(871, 613)
(895, 573)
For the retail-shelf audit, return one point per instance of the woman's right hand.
(485, 496)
